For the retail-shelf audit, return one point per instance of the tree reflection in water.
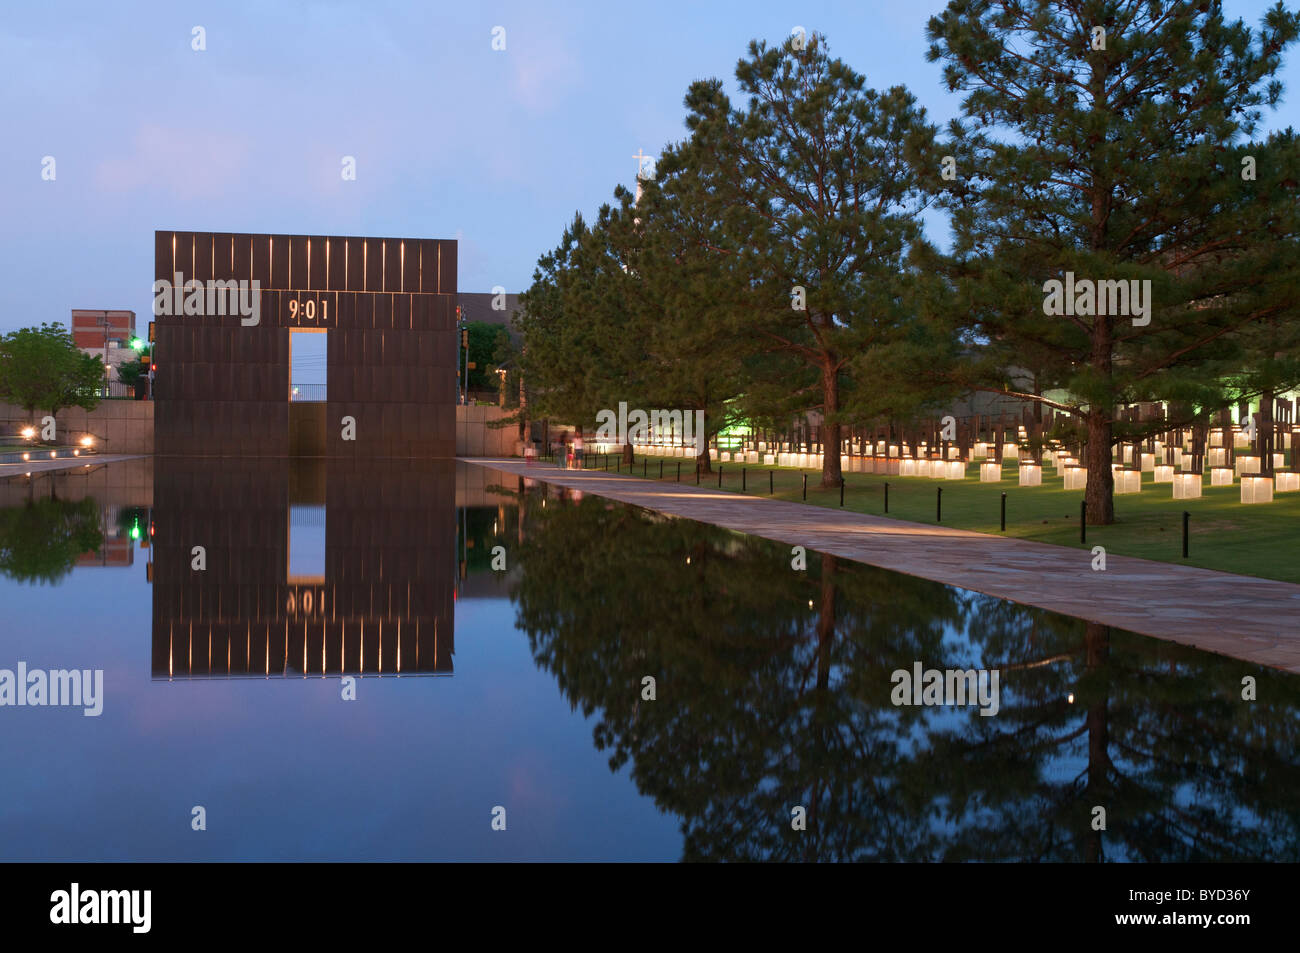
(40, 540)
(773, 690)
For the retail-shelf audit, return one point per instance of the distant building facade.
(105, 334)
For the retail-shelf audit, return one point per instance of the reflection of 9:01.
(308, 309)
(307, 604)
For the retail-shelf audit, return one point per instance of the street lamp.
(106, 324)
(139, 346)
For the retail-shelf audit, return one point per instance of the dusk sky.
(452, 139)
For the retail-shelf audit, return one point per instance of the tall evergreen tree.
(1116, 162)
(692, 299)
(582, 352)
(1270, 348)
(818, 176)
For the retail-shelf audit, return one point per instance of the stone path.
(1253, 619)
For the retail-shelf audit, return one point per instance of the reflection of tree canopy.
(765, 703)
(478, 537)
(1158, 734)
(40, 540)
(480, 528)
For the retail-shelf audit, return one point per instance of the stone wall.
(126, 426)
(117, 426)
(474, 438)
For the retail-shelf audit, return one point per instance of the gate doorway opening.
(308, 391)
(308, 365)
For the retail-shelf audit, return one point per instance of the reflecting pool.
(342, 660)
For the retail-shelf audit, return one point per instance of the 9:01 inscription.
(308, 309)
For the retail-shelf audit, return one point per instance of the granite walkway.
(1241, 616)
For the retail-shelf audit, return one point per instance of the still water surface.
(523, 688)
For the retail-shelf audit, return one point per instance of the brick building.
(104, 334)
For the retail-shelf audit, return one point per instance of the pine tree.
(816, 178)
(582, 351)
(1118, 161)
(692, 300)
(1270, 348)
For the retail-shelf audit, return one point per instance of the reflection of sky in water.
(286, 770)
(306, 541)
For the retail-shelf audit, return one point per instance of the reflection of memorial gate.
(384, 606)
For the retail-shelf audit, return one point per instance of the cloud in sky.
(545, 67)
(183, 162)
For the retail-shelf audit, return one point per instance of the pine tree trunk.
(1038, 425)
(1264, 432)
(830, 429)
(702, 459)
(1100, 491)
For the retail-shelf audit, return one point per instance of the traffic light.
(150, 332)
(137, 344)
(464, 339)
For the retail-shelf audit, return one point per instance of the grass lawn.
(1255, 540)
